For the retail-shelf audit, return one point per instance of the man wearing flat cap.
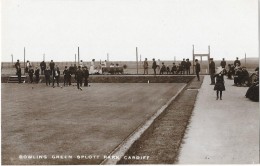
(154, 66)
(188, 64)
(212, 71)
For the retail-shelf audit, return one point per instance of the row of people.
(53, 76)
(182, 68)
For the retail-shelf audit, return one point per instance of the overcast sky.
(161, 29)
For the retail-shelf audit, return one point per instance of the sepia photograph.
(110, 82)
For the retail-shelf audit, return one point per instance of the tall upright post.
(245, 59)
(78, 55)
(140, 61)
(137, 60)
(24, 59)
(193, 59)
(12, 59)
(107, 57)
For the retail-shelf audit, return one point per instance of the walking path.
(222, 131)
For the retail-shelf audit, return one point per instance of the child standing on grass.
(219, 86)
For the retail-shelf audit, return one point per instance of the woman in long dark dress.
(253, 91)
(219, 86)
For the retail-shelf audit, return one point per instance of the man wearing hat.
(145, 66)
(188, 64)
(183, 66)
(212, 71)
(174, 68)
(17, 65)
(237, 62)
(197, 69)
(79, 76)
(223, 63)
(37, 74)
(154, 66)
(86, 75)
(66, 76)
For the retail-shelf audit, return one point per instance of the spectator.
(163, 68)
(183, 66)
(223, 63)
(174, 69)
(37, 74)
(145, 66)
(244, 77)
(187, 65)
(28, 64)
(237, 62)
(81, 63)
(47, 74)
(43, 67)
(219, 86)
(212, 71)
(31, 72)
(17, 65)
(79, 76)
(168, 69)
(66, 76)
(86, 75)
(197, 69)
(52, 64)
(56, 76)
(237, 76)
(154, 66)
(19, 74)
(253, 91)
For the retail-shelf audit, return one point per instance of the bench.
(14, 79)
(113, 70)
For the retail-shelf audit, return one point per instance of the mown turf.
(40, 120)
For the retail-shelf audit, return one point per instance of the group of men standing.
(52, 73)
(183, 68)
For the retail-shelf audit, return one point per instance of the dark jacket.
(43, 65)
(52, 64)
(79, 74)
(19, 72)
(31, 71)
(212, 67)
(223, 64)
(47, 73)
(183, 64)
(197, 67)
(37, 72)
(219, 82)
(86, 73)
(154, 66)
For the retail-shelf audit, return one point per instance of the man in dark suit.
(43, 67)
(19, 74)
(154, 66)
(223, 63)
(86, 75)
(66, 76)
(37, 74)
(197, 69)
(31, 72)
(47, 74)
(212, 71)
(79, 76)
(237, 61)
(183, 66)
(52, 64)
(188, 64)
(17, 65)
